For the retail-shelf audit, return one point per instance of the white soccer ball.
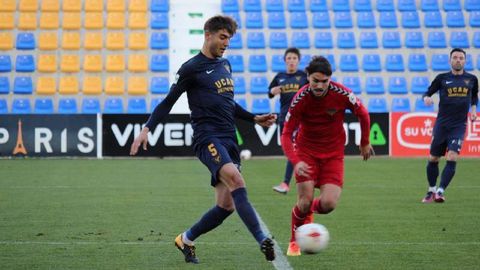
(245, 154)
(312, 237)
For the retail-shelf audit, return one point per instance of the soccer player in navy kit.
(207, 79)
(286, 84)
(458, 91)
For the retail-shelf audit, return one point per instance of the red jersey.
(320, 122)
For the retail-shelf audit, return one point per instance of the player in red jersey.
(318, 111)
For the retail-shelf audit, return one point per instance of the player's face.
(291, 60)
(319, 83)
(457, 61)
(218, 42)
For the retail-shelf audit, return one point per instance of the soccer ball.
(245, 154)
(312, 237)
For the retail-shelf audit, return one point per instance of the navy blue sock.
(247, 213)
(432, 173)
(288, 173)
(209, 221)
(447, 173)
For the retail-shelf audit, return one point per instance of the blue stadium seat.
(159, 85)
(348, 62)
(406, 5)
(429, 5)
(323, 40)
(252, 5)
(374, 85)
(278, 40)
(159, 63)
(159, 41)
(258, 85)
(474, 18)
(242, 102)
(343, 19)
(414, 40)
(371, 63)
(304, 60)
(469, 63)
(21, 106)
(154, 102)
(5, 63)
(257, 63)
(353, 82)
(391, 40)
(433, 19)
(440, 62)
(23, 85)
(260, 105)
(296, 5)
(25, 63)
(397, 85)
(346, 40)
(113, 105)
(3, 106)
(455, 19)
(230, 6)
(331, 59)
(368, 40)
(362, 5)
(410, 19)
(419, 84)
(4, 85)
(160, 6)
(459, 40)
(90, 106)
(471, 5)
(276, 20)
(67, 106)
(43, 106)
(239, 82)
(437, 39)
(341, 5)
(321, 20)
(366, 19)
(274, 5)
(236, 17)
(318, 5)
(452, 5)
(478, 61)
(298, 20)
(137, 106)
(255, 40)
(253, 20)
(476, 39)
(159, 20)
(421, 107)
(400, 105)
(388, 19)
(377, 105)
(417, 62)
(277, 107)
(25, 41)
(278, 64)
(236, 61)
(394, 63)
(236, 41)
(385, 5)
(301, 40)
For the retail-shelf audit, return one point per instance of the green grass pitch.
(124, 214)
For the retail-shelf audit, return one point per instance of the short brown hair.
(319, 64)
(219, 22)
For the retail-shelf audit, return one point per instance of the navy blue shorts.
(443, 140)
(216, 152)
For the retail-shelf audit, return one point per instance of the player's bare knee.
(304, 205)
(328, 206)
(433, 158)
(451, 156)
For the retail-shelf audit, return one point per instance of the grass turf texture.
(124, 214)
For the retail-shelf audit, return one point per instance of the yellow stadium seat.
(46, 86)
(72, 5)
(114, 86)
(71, 40)
(116, 5)
(137, 5)
(92, 63)
(137, 86)
(7, 20)
(92, 85)
(49, 20)
(68, 85)
(93, 41)
(115, 20)
(93, 5)
(115, 41)
(6, 41)
(47, 63)
(137, 41)
(50, 5)
(137, 20)
(93, 20)
(115, 63)
(28, 5)
(48, 41)
(70, 63)
(8, 5)
(27, 21)
(137, 63)
(71, 20)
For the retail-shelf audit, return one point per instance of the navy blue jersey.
(457, 93)
(290, 84)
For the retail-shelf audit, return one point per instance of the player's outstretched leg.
(187, 250)
(267, 248)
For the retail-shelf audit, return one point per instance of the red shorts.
(323, 170)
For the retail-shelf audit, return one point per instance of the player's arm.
(432, 89)
(291, 124)
(473, 112)
(265, 120)
(356, 106)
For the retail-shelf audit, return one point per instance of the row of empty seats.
(88, 5)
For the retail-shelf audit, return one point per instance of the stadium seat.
(25, 41)
(90, 106)
(419, 84)
(341, 5)
(257, 63)
(92, 63)
(255, 40)
(48, 41)
(49, 20)
(440, 62)
(417, 62)
(437, 39)
(236, 17)
(137, 85)
(346, 40)
(323, 40)
(371, 63)
(414, 40)
(474, 18)
(400, 105)
(70, 63)
(137, 63)
(115, 41)
(115, 63)
(236, 41)
(113, 106)
(362, 5)
(478, 61)
(366, 19)
(274, 5)
(70, 41)
(67, 106)
(388, 19)
(455, 19)
(330, 59)
(278, 64)
(397, 85)
(406, 5)
(471, 5)
(469, 63)
(300, 40)
(236, 61)
(377, 105)
(276, 106)
(93, 41)
(410, 19)
(5, 63)
(73, 5)
(116, 20)
(258, 85)
(321, 20)
(348, 62)
(4, 85)
(452, 5)
(138, 41)
(459, 39)
(3, 106)
(318, 5)
(304, 60)
(368, 40)
(429, 5)
(342, 19)
(391, 40)
(159, 20)
(242, 102)
(137, 106)
(154, 102)
(71, 20)
(8, 5)
(92, 85)
(137, 5)
(25, 63)
(394, 63)
(433, 19)
(239, 83)
(47, 63)
(374, 85)
(114, 86)
(93, 20)
(23, 85)
(278, 40)
(43, 106)
(159, 40)
(252, 5)
(229, 6)
(46, 86)
(159, 63)
(253, 20)
(296, 5)
(6, 41)
(353, 83)
(7, 20)
(476, 39)
(421, 107)
(385, 5)
(260, 105)
(159, 85)
(93, 5)
(298, 20)
(68, 85)
(21, 106)
(137, 20)
(27, 21)
(159, 6)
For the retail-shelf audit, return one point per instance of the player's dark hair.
(291, 50)
(319, 64)
(219, 22)
(458, 50)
